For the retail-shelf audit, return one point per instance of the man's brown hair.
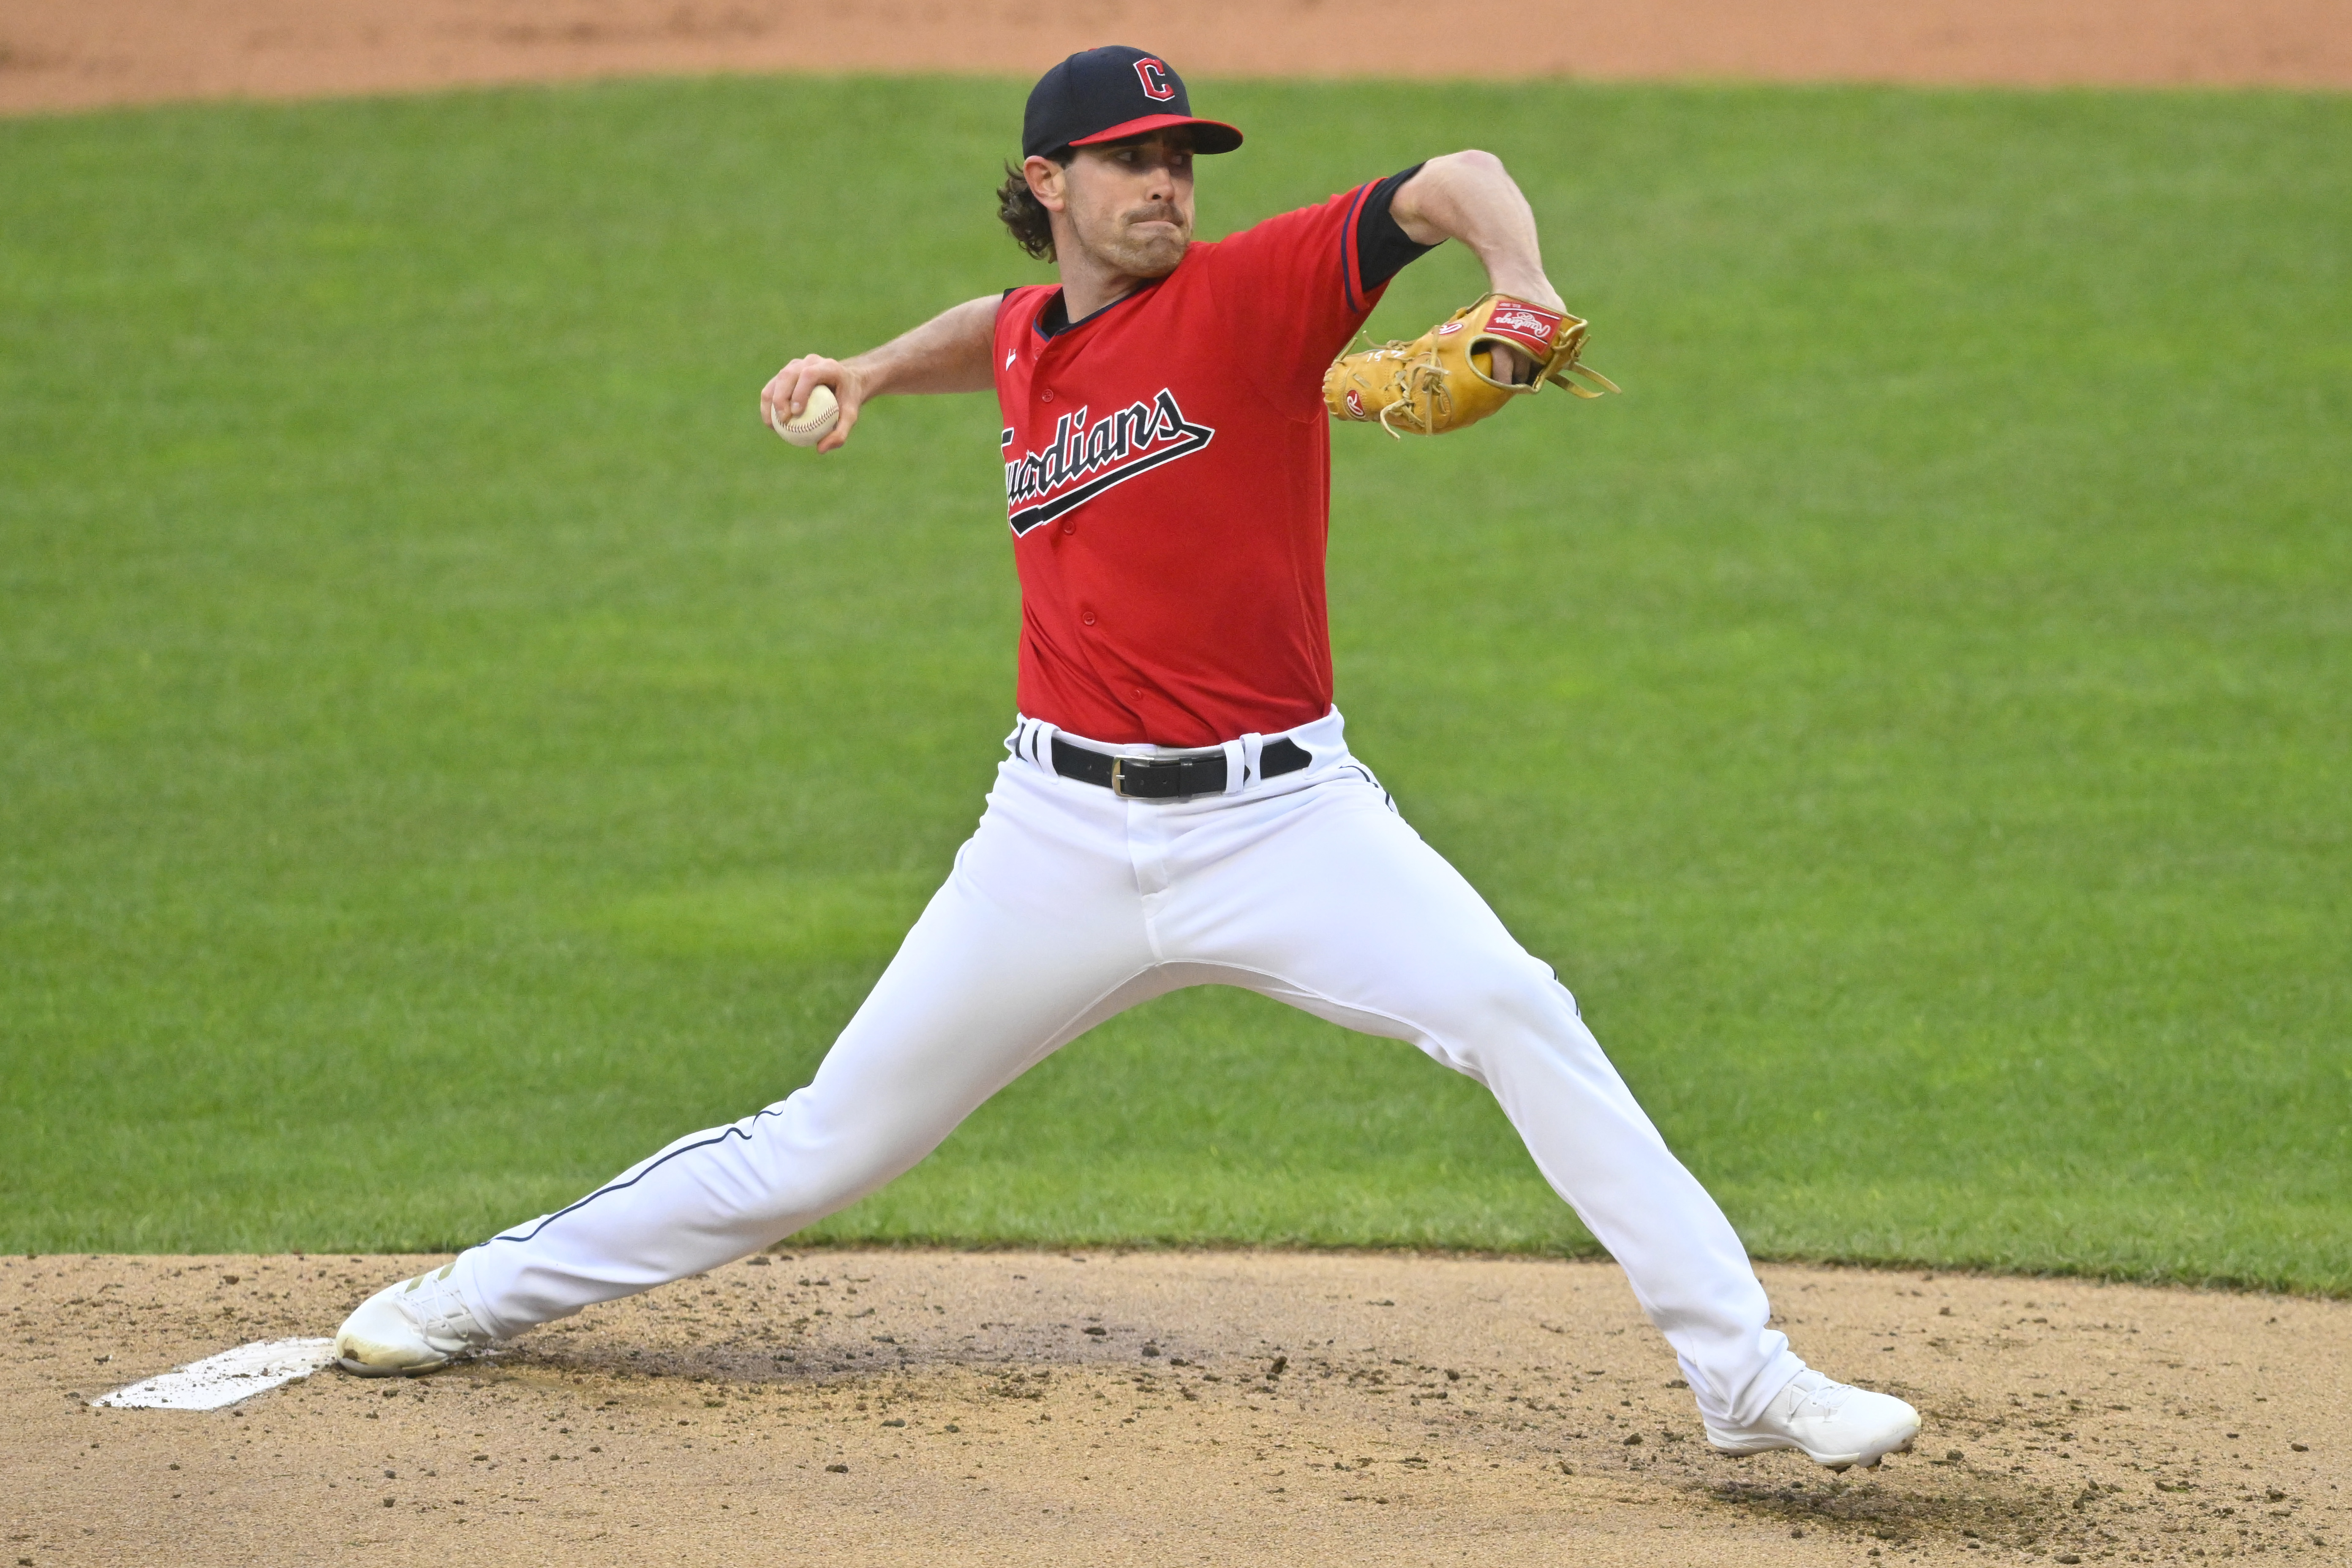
(1023, 216)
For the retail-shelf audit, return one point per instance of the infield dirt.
(1165, 1408)
(96, 52)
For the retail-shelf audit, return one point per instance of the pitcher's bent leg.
(1348, 914)
(974, 997)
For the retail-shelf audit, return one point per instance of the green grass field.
(447, 748)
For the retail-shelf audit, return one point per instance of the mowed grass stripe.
(450, 750)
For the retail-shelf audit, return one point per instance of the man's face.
(1129, 204)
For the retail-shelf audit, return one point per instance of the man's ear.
(1047, 182)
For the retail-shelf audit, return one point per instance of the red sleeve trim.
(1351, 263)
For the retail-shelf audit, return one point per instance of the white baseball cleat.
(1830, 1423)
(418, 1325)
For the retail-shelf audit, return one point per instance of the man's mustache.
(1155, 215)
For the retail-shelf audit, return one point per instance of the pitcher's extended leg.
(1337, 907)
(1034, 938)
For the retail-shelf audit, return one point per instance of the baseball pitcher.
(1178, 805)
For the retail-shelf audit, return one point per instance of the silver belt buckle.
(1117, 780)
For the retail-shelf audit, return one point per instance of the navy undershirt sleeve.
(1382, 248)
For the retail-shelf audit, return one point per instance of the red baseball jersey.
(1167, 475)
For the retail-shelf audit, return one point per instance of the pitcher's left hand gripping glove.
(1442, 380)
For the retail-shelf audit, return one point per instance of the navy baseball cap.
(1108, 95)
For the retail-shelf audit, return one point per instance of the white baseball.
(815, 421)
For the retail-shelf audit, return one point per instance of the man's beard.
(1150, 255)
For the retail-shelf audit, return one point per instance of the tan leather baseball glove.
(1445, 379)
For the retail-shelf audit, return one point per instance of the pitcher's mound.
(1227, 1408)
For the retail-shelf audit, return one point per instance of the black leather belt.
(1168, 778)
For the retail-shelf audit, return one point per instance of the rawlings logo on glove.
(1445, 379)
(1529, 326)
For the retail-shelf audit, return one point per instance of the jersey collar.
(1053, 320)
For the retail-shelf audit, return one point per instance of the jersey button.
(1089, 618)
(1046, 396)
(1069, 528)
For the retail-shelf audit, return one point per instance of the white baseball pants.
(1069, 905)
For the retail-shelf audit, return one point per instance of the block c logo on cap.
(1153, 74)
